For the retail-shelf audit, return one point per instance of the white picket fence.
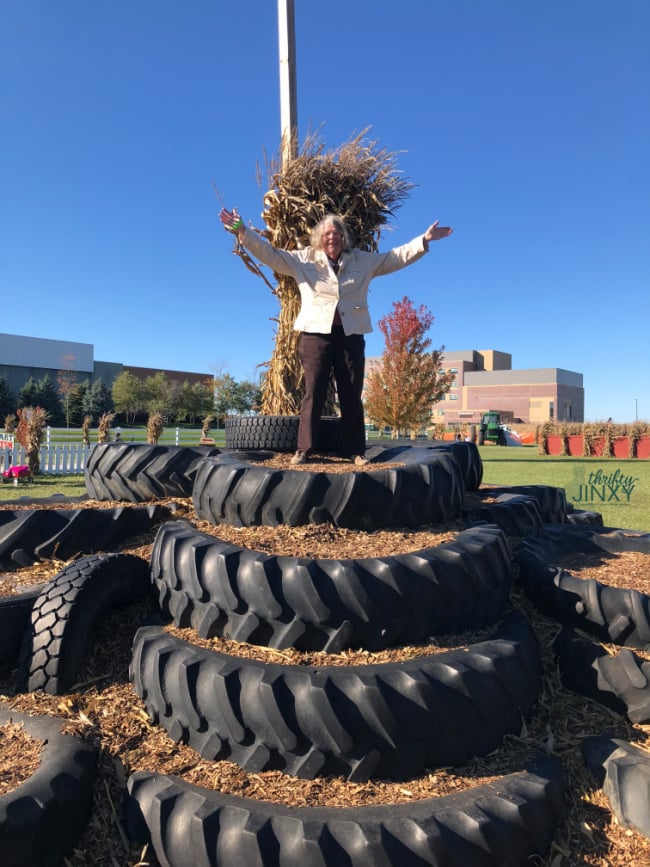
(64, 458)
(59, 460)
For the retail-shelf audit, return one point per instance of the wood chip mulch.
(104, 708)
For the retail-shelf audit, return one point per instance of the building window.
(453, 397)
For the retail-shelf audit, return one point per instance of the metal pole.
(636, 408)
(288, 99)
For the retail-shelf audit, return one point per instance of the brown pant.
(345, 355)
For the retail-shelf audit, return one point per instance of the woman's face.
(332, 241)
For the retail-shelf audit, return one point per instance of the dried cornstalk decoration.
(155, 428)
(358, 181)
(30, 433)
(205, 427)
(104, 427)
(85, 430)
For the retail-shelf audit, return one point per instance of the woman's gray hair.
(316, 238)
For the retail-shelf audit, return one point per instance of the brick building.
(484, 380)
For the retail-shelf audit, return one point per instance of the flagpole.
(288, 98)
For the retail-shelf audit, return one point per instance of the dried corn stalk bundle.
(155, 428)
(360, 182)
(35, 436)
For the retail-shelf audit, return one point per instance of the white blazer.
(321, 290)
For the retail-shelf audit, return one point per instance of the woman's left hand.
(436, 232)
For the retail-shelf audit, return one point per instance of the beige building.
(484, 380)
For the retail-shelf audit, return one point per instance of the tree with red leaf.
(408, 379)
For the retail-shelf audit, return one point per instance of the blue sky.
(524, 125)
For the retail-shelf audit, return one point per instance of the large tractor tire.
(427, 488)
(42, 819)
(30, 535)
(137, 472)
(390, 720)
(611, 614)
(509, 822)
(221, 589)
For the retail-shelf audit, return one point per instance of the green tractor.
(490, 429)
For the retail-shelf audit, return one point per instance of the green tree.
(128, 395)
(234, 397)
(47, 399)
(194, 401)
(75, 411)
(225, 391)
(97, 399)
(28, 394)
(159, 395)
(7, 398)
(401, 389)
(248, 396)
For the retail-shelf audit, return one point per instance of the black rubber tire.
(427, 489)
(620, 682)
(137, 472)
(392, 720)
(15, 612)
(29, 535)
(505, 823)
(465, 454)
(65, 614)
(221, 589)
(516, 515)
(557, 540)
(42, 819)
(279, 433)
(619, 616)
(552, 501)
(583, 516)
(623, 771)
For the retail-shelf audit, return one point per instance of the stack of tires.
(359, 722)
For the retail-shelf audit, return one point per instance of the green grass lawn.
(618, 489)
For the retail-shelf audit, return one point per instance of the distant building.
(484, 380)
(25, 357)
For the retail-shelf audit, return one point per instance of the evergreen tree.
(97, 399)
(75, 405)
(7, 398)
(28, 394)
(47, 398)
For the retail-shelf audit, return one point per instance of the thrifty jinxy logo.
(605, 487)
